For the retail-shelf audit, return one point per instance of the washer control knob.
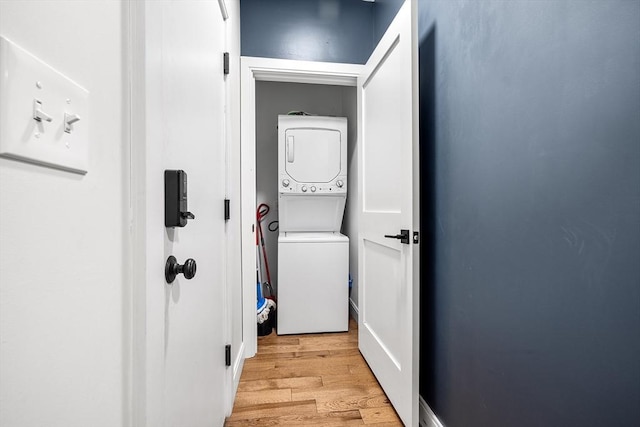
(285, 182)
(304, 188)
(339, 183)
(313, 189)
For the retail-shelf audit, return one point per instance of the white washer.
(313, 283)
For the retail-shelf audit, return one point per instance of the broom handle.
(263, 210)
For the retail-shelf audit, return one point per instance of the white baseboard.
(353, 309)
(237, 368)
(427, 417)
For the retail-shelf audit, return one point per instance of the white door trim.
(275, 70)
(137, 226)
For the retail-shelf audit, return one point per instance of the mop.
(264, 305)
(263, 210)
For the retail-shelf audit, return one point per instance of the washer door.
(312, 154)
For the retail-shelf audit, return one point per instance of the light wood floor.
(316, 379)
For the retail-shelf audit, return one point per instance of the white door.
(388, 298)
(183, 376)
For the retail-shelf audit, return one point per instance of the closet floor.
(315, 379)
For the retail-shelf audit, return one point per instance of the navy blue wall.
(311, 30)
(530, 129)
(383, 13)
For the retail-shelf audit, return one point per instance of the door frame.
(254, 69)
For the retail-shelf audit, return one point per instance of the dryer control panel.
(290, 186)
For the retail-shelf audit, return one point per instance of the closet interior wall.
(274, 98)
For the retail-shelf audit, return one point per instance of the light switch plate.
(25, 79)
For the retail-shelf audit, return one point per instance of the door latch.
(403, 236)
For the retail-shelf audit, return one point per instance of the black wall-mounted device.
(175, 199)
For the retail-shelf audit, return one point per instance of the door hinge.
(227, 355)
(227, 209)
(225, 59)
(416, 237)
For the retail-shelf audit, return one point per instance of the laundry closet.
(381, 219)
(322, 242)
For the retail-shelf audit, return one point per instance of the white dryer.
(313, 257)
(312, 169)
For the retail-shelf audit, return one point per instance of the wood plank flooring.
(315, 379)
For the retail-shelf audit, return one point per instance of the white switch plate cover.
(23, 78)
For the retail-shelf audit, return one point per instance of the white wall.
(63, 275)
(272, 99)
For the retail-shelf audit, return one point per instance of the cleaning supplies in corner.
(266, 307)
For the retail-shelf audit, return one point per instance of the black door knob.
(172, 269)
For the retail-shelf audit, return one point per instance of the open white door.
(388, 296)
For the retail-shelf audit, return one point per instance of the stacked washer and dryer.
(313, 256)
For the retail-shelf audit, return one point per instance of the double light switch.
(43, 113)
(39, 115)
